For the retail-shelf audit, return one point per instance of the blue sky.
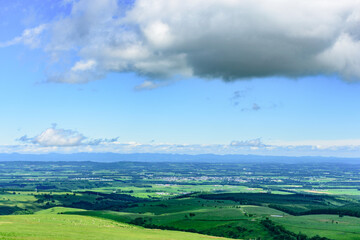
(70, 82)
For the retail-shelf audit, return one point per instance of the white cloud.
(226, 39)
(320, 143)
(149, 85)
(29, 37)
(248, 143)
(59, 137)
(54, 137)
(84, 65)
(346, 51)
(158, 34)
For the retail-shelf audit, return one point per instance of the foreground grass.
(58, 227)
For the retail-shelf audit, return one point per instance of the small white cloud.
(29, 37)
(149, 85)
(84, 65)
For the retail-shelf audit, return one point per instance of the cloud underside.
(225, 39)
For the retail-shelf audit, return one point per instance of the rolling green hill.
(64, 227)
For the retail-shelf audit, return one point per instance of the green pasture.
(335, 191)
(261, 211)
(58, 210)
(64, 227)
(23, 200)
(330, 226)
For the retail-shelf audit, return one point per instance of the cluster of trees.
(228, 231)
(88, 200)
(352, 211)
(114, 196)
(7, 210)
(265, 198)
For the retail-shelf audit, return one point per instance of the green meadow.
(64, 227)
(331, 226)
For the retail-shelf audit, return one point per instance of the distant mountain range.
(157, 157)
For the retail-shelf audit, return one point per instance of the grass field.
(24, 200)
(335, 191)
(330, 226)
(64, 227)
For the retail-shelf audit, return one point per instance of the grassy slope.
(58, 227)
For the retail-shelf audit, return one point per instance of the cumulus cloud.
(54, 137)
(224, 39)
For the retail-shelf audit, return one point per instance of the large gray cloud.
(225, 39)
